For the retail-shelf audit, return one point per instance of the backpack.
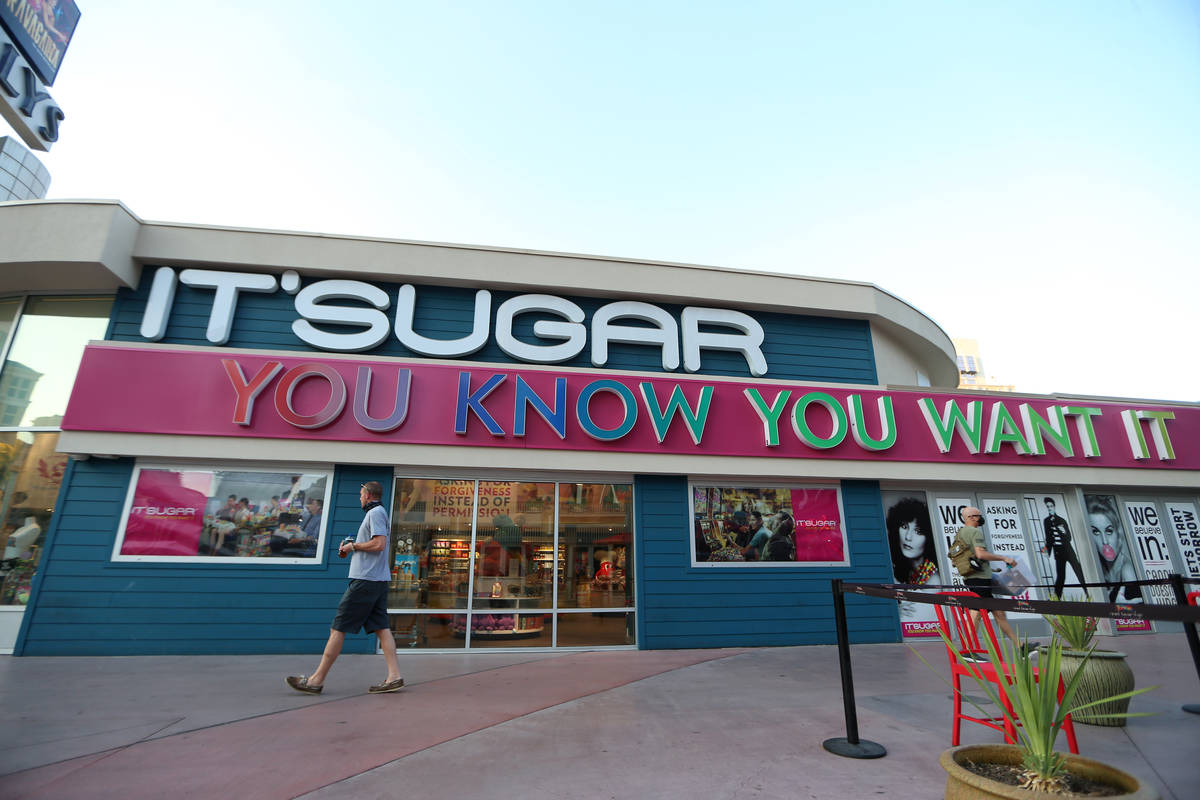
(962, 556)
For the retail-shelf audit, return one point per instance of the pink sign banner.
(166, 517)
(201, 392)
(818, 519)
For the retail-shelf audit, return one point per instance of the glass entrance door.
(486, 564)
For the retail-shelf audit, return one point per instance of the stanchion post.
(849, 746)
(1189, 628)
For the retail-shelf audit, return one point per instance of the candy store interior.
(500, 563)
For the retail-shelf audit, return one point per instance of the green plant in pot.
(1033, 766)
(1104, 673)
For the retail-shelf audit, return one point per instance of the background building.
(971, 371)
(22, 175)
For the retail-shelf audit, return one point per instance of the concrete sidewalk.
(613, 724)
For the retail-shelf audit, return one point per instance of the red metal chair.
(970, 644)
(1193, 599)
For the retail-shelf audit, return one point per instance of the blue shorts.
(363, 607)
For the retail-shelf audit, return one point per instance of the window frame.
(743, 484)
(318, 559)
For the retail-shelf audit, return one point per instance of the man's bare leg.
(387, 643)
(333, 648)
(1002, 620)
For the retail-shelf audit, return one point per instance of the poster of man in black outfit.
(1058, 545)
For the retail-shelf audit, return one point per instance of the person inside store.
(739, 528)
(310, 521)
(700, 534)
(758, 534)
(979, 580)
(227, 511)
(1058, 544)
(1115, 563)
(225, 520)
(781, 544)
(293, 498)
(913, 558)
(243, 515)
(291, 539)
(364, 603)
(243, 524)
(286, 534)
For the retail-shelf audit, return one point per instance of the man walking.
(979, 580)
(364, 604)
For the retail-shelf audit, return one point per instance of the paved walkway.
(616, 724)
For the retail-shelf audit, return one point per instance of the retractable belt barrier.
(1070, 608)
(853, 747)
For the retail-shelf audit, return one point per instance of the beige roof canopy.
(100, 245)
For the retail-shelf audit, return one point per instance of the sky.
(1026, 173)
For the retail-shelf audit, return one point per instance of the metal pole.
(850, 746)
(1189, 628)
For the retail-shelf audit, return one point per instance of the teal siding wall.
(681, 606)
(84, 604)
(800, 348)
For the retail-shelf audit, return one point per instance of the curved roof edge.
(100, 245)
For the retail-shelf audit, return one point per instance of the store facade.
(576, 451)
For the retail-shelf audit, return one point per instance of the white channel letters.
(565, 338)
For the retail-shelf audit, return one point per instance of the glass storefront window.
(31, 472)
(514, 545)
(42, 341)
(431, 543)
(514, 548)
(190, 514)
(508, 553)
(596, 629)
(44, 357)
(595, 525)
(429, 631)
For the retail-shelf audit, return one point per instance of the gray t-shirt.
(371, 566)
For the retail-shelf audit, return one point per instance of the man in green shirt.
(980, 581)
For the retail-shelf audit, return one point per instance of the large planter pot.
(1105, 674)
(962, 784)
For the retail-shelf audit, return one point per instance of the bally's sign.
(560, 337)
(24, 102)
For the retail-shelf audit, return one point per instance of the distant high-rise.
(16, 388)
(970, 368)
(22, 175)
